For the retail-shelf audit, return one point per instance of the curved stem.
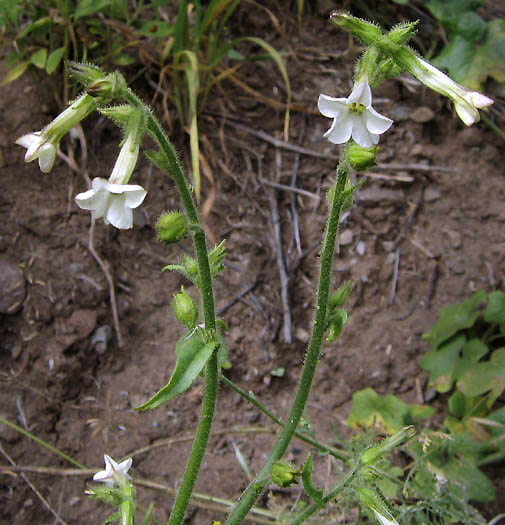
(256, 487)
(337, 454)
(174, 169)
(324, 501)
(199, 444)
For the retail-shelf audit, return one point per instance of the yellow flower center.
(356, 107)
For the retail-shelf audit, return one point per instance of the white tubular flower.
(113, 202)
(354, 117)
(37, 147)
(466, 103)
(114, 472)
(44, 144)
(114, 199)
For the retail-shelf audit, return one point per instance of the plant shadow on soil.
(443, 232)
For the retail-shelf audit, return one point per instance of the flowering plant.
(202, 348)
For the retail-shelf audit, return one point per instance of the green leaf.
(389, 412)
(312, 491)
(457, 404)
(39, 58)
(454, 318)
(495, 311)
(448, 11)
(123, 59)
(469, 482)
(473, 351)
(16, 72)
(89, 7)
(155, 28)
(54, 59)
(470, 63)
(485, 376)
(192, 356)
(442, 362)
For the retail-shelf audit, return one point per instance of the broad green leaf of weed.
(448, 11)
(485, 376)
(54, 59)
(473, 351)
(495, 310)
(89, 7)
(35, 26)
(39, 58)
(15, 72)
(442, 362)
(454, 318)
(471, 63)
(369, 408)
(192, 356)
(497, 430)
(468, 481)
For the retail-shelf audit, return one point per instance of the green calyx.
(361, 158)
(285, 474)
(374, 453)
(185, 309)
(171, 227)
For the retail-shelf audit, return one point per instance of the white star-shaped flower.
(354, 117)
(113, 202)
(38, 147)
(113, 471)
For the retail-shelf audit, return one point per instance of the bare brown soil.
(418, 239)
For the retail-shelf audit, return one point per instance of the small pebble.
(346, 237)
(361, 248)
(422, 115)
(101, 338)
(431, 195)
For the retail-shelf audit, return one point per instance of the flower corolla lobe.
(114, 472)
(354, 117)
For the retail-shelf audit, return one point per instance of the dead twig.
(239, 296)
(394, 284)
(292, 189)
(276, 242)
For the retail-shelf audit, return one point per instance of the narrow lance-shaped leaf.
(192, 356)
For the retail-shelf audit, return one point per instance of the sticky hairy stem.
(258, 484)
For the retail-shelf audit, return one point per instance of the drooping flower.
(44, 144)
(114, 199)
(113, 202)
(114, 472)
(466, 102)
(354, 117)
(37, 147)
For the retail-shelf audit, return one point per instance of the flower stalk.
(261, 480)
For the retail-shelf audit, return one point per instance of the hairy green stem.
(340, 454)
(261, 480)
(324, 501)
(206, 290)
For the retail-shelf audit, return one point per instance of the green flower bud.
(374, 453)
(108, 87)
(337, 322)
(361, 158)
(85, 73)
(372, 502)
(367, 32)
(284, 474)
(171, 227)
(341, 295)
(185, 309)
(402, 33)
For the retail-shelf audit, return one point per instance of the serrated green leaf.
(495, 310)
(54, 59)
(192, 356)
(442, 362)
(313, 492)
(38, 59)
(16, 72)
(454, 318)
